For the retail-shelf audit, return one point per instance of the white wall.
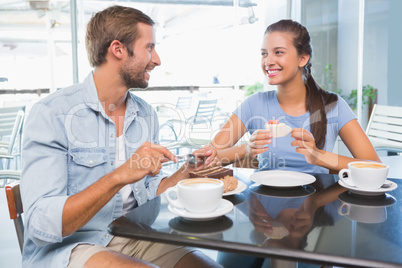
(394, 54)
(347, 45)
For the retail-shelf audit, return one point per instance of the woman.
(316, 116)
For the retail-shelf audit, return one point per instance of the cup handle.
(347, 209)
(345, 179)
(173, 201)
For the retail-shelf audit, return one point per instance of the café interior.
(210, 54)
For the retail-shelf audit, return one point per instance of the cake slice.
(216, 172)
(277, 129)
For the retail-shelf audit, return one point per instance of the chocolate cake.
(216, 172)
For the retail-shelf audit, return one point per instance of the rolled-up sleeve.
(44, 175)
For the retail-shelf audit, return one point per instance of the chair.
(384, 128)
(184, 103)
(11, 124)
(7, 176)
(191, 138)
(15, 208)
(205, 112)
(167, 133)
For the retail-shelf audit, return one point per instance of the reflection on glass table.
(300, 228)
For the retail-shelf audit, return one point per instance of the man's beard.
(133, 77)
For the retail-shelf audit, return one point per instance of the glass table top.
(321, 222)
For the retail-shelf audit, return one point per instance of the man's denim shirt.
(70, 143)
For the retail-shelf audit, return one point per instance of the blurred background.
(207, 47)
(210, 50)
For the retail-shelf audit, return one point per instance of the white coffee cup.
(365, 175)
(365, 214)
(198, 195)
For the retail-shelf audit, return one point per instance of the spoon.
(190, 158)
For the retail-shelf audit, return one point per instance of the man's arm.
(81, 207)
(167, 182)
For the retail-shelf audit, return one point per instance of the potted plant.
(369, 97)
(251, 89)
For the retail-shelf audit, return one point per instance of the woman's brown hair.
(318, 100)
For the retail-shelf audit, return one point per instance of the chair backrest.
(15, 208)
(16, 131)
(11, 124)
(183, 103)
(385, 128)
(8, 116)
(205, 112)
(167, 133)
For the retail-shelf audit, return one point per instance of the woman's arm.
(227, 137)
(351, 134)
(357, 142)
(230, 134)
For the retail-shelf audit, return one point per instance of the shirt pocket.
(86, 166)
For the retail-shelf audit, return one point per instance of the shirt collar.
(90, 94)
(91, 98)
(132, 108)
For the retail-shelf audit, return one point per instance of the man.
(90, 155)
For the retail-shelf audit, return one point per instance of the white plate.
(241, 186)
(282, 192)
(224, 207)
(282, 178)
(380, 191)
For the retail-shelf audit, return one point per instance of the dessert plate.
(241, 186)
(282, 178)
(375, 192)
(224, 207)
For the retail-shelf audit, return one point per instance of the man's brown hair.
(113, 23)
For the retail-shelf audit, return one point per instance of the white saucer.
(241, 186)
(224, 207)
(282, 178)
(359, 191)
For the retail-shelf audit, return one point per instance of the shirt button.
(136, 190)
(107, 236)
(111, 135)
(112, 163)
(91, 162)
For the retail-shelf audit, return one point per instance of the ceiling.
(27, 25)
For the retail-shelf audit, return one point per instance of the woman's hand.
(257, 143)
(303, 218)
(209, 154)
(259, 217)
(305, 143)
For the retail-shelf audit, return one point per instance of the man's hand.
(147, 160)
